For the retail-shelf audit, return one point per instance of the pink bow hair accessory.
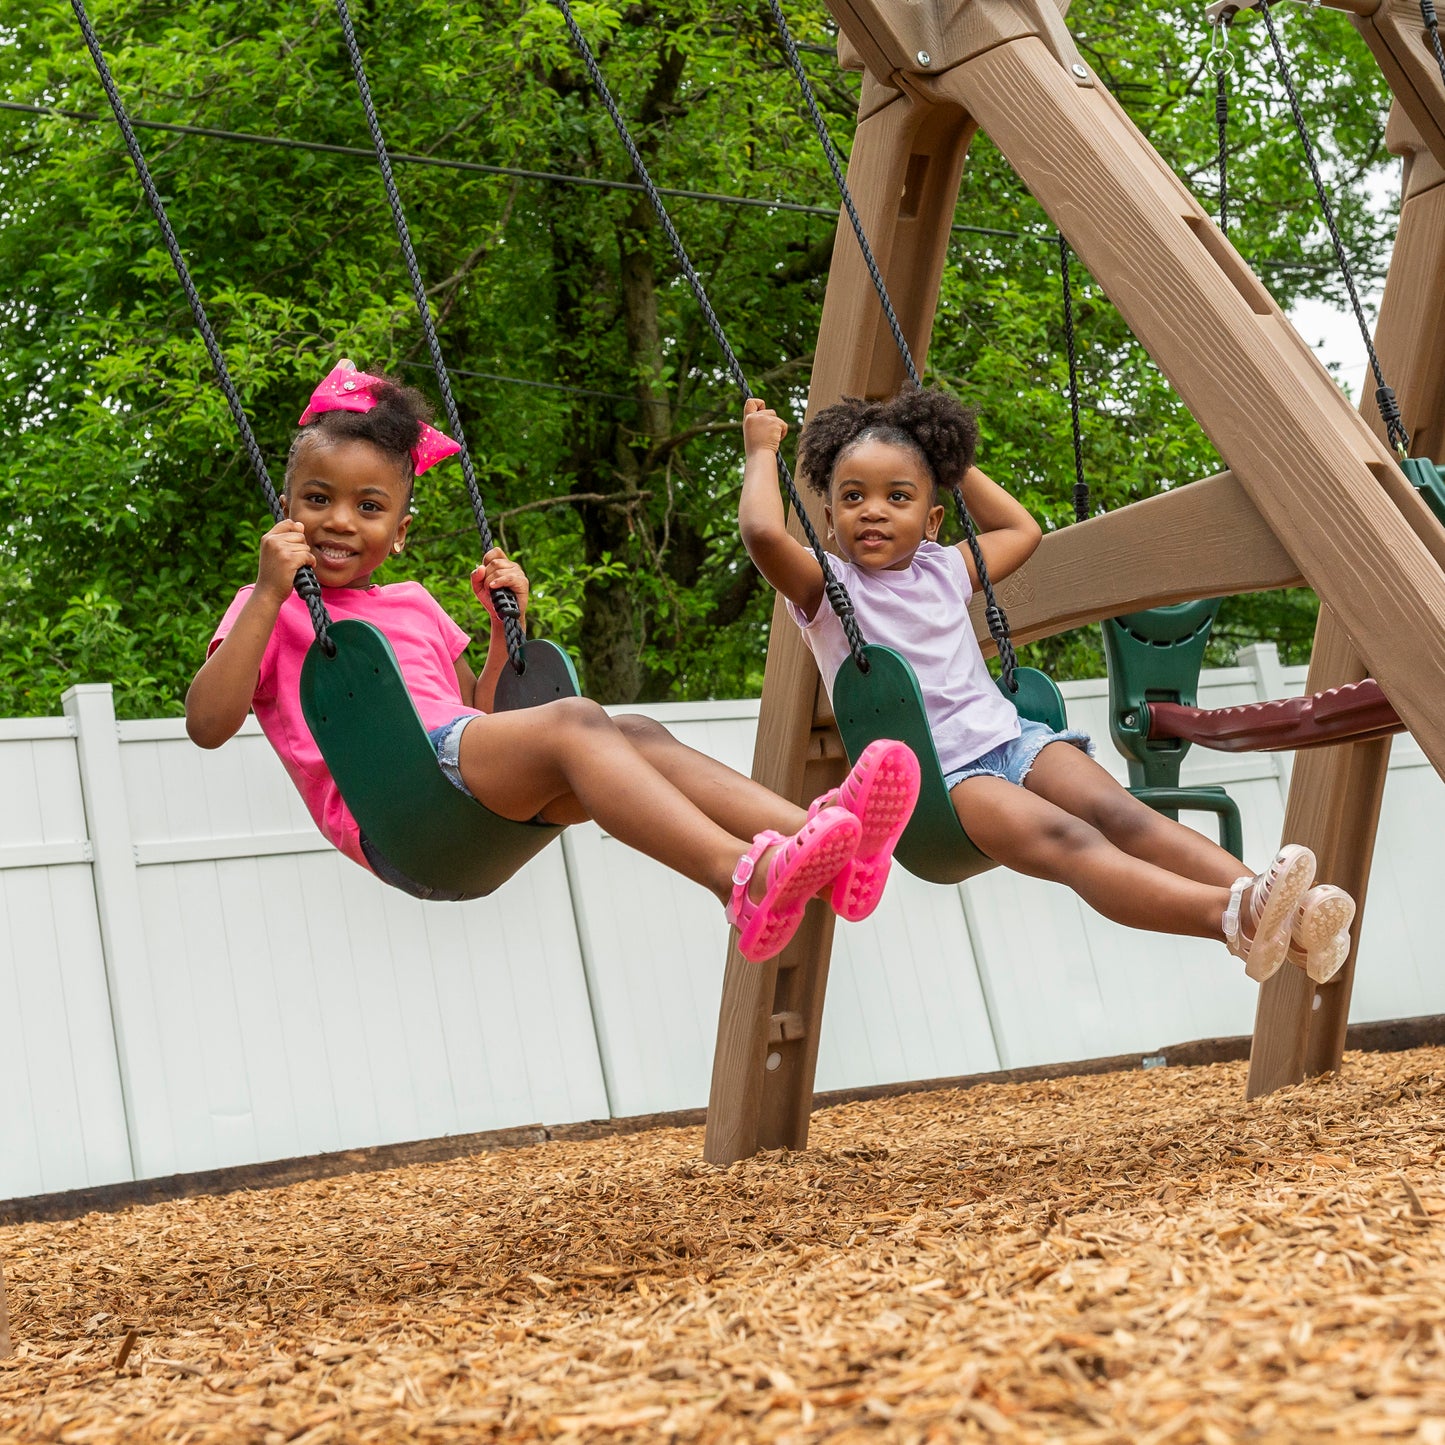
(347, 389)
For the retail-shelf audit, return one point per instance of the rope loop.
(1007, 658)
(1390, 415)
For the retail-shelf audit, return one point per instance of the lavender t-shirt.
(921, 611)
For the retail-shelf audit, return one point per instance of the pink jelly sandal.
(800, 867)
(1272, 899)
(880, 792)
(1319, 936)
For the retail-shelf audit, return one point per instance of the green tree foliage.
(603, 427)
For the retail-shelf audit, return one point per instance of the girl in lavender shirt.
(1030, 798)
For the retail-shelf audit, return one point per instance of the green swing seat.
(367, 727)
(885, 702)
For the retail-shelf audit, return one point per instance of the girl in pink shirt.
(1028, 797)
(347, 499)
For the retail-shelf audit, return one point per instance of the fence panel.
(190, 978)
(62, 1119)
(304, 1007)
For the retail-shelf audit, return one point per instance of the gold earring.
(396, 547)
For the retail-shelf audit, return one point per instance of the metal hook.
(1221, 57)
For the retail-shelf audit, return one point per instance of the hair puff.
(937, 426)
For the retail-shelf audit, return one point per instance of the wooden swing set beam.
(1395, 32)
(1335, 795)
(1325, 488)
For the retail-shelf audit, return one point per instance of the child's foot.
(880, 792)
(1319, 937)
(1261, 910)
(798, 867)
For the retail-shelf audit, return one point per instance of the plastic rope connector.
(1221, 117)
(1394, 422)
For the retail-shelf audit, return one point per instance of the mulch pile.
(1137, 1258)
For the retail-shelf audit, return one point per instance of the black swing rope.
(1222, 59)
(1384, 395)
(306, 583)
(836, 593)
(1432, 26)
(503, 598)
(993, 613)
(1081, 485)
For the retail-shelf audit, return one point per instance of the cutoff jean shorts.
(1013, 760)
(447, 740)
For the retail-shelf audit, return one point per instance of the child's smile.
(881, 505)
(352, 500)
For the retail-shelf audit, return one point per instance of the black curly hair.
(935, 425)
(392, 426)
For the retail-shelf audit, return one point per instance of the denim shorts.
(1013, 759)
(447, 740)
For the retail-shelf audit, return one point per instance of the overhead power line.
(558, 177)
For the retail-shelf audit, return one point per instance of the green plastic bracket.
(366, 725)
(1203, 798)
(1154, 656)
(885, 702)
(1429, 480)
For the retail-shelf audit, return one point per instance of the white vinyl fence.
(190, 978)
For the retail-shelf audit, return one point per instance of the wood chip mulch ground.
(1138, 1258)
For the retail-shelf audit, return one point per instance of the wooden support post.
(904, 172)
(1338, 510)
(1203, 540)
(1335, 794)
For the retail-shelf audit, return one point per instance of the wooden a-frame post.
(1335, 793)
(1311, 493)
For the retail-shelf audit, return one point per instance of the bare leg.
(1030, 834)
(567, 761)
(1074, 782)
(731, 800)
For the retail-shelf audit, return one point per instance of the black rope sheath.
(993, 613)
(306, 583)
(1384, 395)
(1081, 486)
(836, 593)
(503, 598)
(1221, 119)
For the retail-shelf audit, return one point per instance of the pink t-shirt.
(426, 642)
(921, 612)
